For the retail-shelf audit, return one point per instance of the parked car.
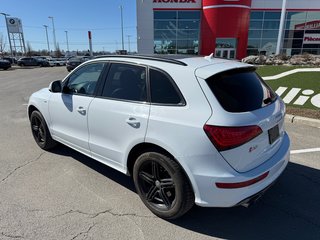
(12, 60)
(43, 61)
(60, 61)
(195, 130)
(5, 64)
(73, 62)
(52, 62)
(32, 61)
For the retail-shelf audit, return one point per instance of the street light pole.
(67, 40)
(129, 43)
(281, 26)
(5, 17)
(121, 8)
(46, 27)
(54, 33)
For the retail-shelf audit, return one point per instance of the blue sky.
(102, 17)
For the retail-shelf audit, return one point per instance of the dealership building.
(228, 28)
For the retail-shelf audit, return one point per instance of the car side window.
(126, 82)
(83, 81)
(163, 90)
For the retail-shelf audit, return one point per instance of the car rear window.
(240, 90)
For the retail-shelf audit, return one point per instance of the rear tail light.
(225, 138)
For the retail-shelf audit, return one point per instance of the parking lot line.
(308, 150)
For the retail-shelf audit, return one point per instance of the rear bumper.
(209, 195)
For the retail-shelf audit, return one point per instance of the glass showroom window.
(299, 27)
(176, 32)
(255, 32)
(263, 32)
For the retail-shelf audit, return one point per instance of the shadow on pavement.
(289, 210)
(108, 172)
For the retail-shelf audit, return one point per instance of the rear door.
(28, 62)
(118, 117)
(247, 117)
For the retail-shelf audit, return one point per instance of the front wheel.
(41, 132)
(162, 185)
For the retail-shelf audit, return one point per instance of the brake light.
(225, 138)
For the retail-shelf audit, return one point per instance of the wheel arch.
(31, 108)
(141, 148)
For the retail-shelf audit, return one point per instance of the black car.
(73, 62)
(31, 61)
(12, 60)
(5, 64)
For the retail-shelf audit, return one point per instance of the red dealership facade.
(228, 28)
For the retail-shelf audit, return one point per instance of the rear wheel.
(162, 185)
(41, 132)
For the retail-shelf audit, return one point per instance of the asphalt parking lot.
(65, 195)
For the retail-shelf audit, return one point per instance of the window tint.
(240, 90)
(162, 89)
(165, 15)
(84, 80)
(127, 82)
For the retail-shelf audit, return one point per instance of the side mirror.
(55, 86)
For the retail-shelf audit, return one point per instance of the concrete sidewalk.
(281, 75)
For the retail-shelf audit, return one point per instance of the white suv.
(195, 130)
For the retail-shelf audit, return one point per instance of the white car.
(60, 61)
(52, 62)
(190, 130)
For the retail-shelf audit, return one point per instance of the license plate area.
(274, 134)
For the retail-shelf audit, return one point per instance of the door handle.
(133, 122)
(81, 110)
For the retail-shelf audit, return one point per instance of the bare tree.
(2, 44)
(28, 49)
(58, 52)
(44, 52)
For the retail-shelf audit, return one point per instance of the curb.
(303, 120)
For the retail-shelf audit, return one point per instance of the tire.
(21, 64)
(41, 132)
(162, 185)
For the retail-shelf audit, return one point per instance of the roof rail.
(145, 57)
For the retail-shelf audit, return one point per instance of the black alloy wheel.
(162, 185)
(40, 131)
(157, 185)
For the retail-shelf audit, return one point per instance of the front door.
(69, 109)
(228, 53)
(226, 48)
